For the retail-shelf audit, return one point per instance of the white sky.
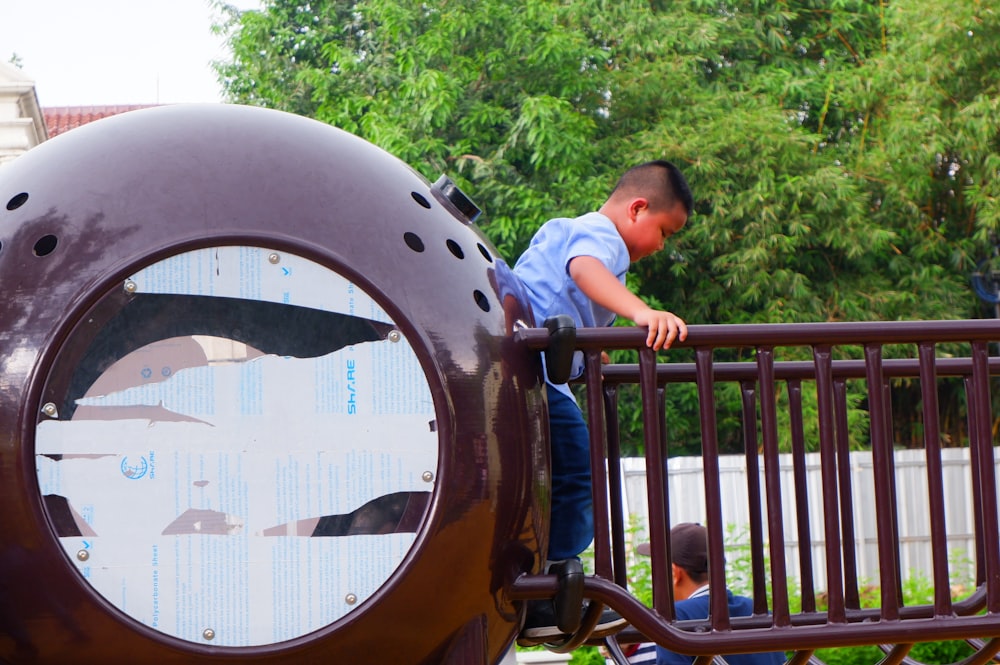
(104, 52)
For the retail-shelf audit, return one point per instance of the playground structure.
(267, 395)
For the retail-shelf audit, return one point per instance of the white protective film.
(232, 497)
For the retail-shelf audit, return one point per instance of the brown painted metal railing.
(774, 626)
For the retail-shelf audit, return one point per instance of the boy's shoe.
(540, 623)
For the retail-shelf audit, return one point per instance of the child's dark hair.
(659, 181)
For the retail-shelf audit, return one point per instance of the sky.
(108, 52)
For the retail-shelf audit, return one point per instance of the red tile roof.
(59, 119)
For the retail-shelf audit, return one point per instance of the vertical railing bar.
(772, 485)
(806, 584)
(935, 480)
(748, 390)
(616, 502)
(852, 598)
(885, 506)
(828, 469)
(977, 493)
(598, 465)
(887, 389)
(718, 602)
(656, 487)
(661, 402)
(987, 472)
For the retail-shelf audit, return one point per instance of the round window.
(243, 448)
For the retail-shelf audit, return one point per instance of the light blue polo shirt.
(544, 270)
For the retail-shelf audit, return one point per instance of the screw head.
(208, 634)
(130, 286)
(350, 599)
(83, 555)
(50, 410)
(428, 476)
(274, 257)
(395, 336)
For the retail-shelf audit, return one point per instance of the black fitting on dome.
(446, 191)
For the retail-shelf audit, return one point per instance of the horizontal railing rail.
(774, 625)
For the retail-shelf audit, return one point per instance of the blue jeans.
(572, 521)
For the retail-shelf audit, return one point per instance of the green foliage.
(580, 656)
(843, 154)
(587, 656)
(865, 655)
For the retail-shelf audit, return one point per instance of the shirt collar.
(700, 591)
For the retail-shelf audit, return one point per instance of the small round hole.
(17, 201)
(485, 252)
(455, 249)
(421, 200)
(413, 241)
(45, 245)
(481, 300)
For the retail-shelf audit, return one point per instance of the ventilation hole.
(17, 201)
(421, 200)
(455, 249)
(45, 245)
(485, 252)
(481, 300)
(413, 241)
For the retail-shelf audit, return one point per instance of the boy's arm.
(601, 286)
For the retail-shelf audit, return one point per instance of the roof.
(59, 119)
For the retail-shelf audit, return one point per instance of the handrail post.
(772, 481)
(598, 465)
(885, 506)
(713, 494)
(808, 592)
(759, 574)
(656, 487)
(822, 357)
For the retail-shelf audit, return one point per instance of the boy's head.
(659, 182)
(689, 551)
(649, 204)
(689, 548)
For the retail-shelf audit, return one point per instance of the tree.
(486, 91)
(843, 153)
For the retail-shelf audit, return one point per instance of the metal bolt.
(274, 257)
(208, 634)
(130, 286)
(83, 555)
(350, 599)
(50, 410)
(395, 336)
(427, 476)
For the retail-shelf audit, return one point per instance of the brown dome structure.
(256, 402)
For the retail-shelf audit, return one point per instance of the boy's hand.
(602, 287)
(664, 328)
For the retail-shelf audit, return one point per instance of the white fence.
(687, 504)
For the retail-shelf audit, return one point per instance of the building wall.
(22, 125)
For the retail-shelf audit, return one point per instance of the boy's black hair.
(660, 181)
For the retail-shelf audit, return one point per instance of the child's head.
(659, 182)
(649, 204)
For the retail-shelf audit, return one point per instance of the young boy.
(689, 575)
(577, 267)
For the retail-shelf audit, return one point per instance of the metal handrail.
(774, 626)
